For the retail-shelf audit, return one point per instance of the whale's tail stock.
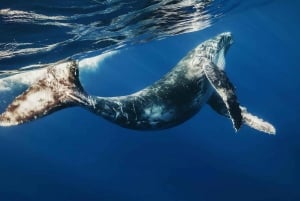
(58, 88)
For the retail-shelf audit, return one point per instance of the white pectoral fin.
(249, 119)
(257, 123)
(226, 91)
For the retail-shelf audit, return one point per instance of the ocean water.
(75, 155)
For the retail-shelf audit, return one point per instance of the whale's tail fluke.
(59, 88)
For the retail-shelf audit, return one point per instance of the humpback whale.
(197, 79)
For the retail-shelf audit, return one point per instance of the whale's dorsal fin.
(59, 88)
(226, 91)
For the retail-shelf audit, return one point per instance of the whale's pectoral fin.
(226, 91)
(249, 119)
(59, 88)
(257, 123)
(216, 102)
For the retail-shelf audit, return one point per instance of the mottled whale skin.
(199, 78)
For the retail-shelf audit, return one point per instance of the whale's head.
(215, 49)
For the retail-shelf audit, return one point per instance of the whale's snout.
(227, 37)
(224, 40)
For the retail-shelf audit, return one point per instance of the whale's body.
(199, 78)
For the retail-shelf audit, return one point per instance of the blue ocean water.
(75, 155)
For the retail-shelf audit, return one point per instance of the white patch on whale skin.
(93, 63)
(25, 78)
(29, 77)
(156, 113)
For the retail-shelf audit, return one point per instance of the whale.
(198, 79)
